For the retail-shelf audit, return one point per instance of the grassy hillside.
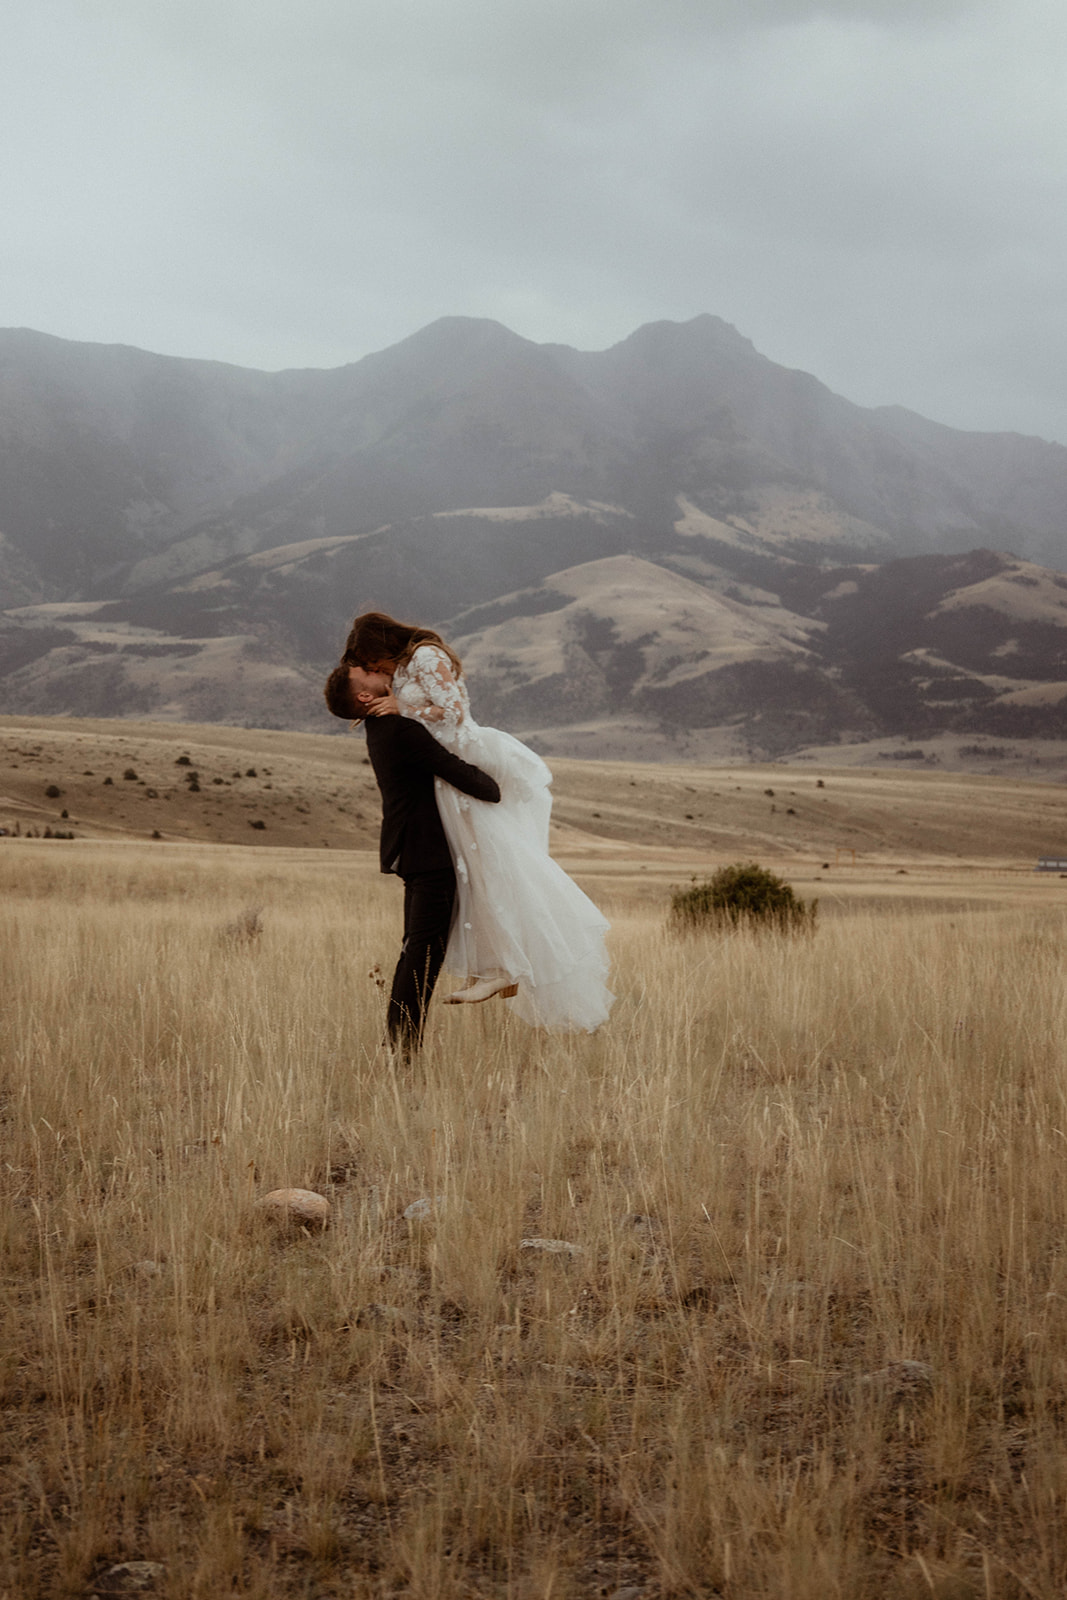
(316, 791)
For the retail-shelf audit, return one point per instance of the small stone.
(899, 1381)
(420, 1210)
(148, 1269)
(552, 1247)
(133, 1577)
(299, 1207)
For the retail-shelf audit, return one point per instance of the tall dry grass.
(789, 1167)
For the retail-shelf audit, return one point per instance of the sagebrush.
(744, 894)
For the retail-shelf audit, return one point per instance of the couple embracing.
(465, 813)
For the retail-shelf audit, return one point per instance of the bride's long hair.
(375, 637)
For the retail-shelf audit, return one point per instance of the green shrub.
(743, 895)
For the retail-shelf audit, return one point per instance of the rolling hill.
(216, 785)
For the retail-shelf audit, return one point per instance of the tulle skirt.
(517, 911)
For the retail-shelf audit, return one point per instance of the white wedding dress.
(517, 911)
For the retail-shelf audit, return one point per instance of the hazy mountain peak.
(456, 335)
(704, 330)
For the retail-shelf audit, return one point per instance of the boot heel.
(509, 993)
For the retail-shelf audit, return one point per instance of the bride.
(522, 929)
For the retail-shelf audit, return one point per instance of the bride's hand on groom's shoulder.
(384, 706)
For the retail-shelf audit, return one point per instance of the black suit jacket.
(406, 758)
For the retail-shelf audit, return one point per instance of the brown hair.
(339, 697)
(376, 637)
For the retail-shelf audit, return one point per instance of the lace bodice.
(428, 689)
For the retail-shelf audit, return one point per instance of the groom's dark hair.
(340, 698)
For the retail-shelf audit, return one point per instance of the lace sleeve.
(431, 670)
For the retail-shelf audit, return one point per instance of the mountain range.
(635, 550)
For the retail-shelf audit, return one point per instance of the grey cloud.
(873, 189)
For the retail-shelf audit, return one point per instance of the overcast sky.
(872, 190)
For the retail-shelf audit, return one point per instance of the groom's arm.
(425, 750)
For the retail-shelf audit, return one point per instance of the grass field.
(809, 1339)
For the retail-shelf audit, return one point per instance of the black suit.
(406, 758)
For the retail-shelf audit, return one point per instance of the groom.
(406, 759)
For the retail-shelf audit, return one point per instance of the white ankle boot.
(483, 989)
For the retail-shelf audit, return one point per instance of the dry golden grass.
(786, 1164)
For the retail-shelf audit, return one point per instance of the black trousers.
(428, 901)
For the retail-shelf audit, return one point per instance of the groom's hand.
(384, 706)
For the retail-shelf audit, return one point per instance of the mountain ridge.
(192, 537)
